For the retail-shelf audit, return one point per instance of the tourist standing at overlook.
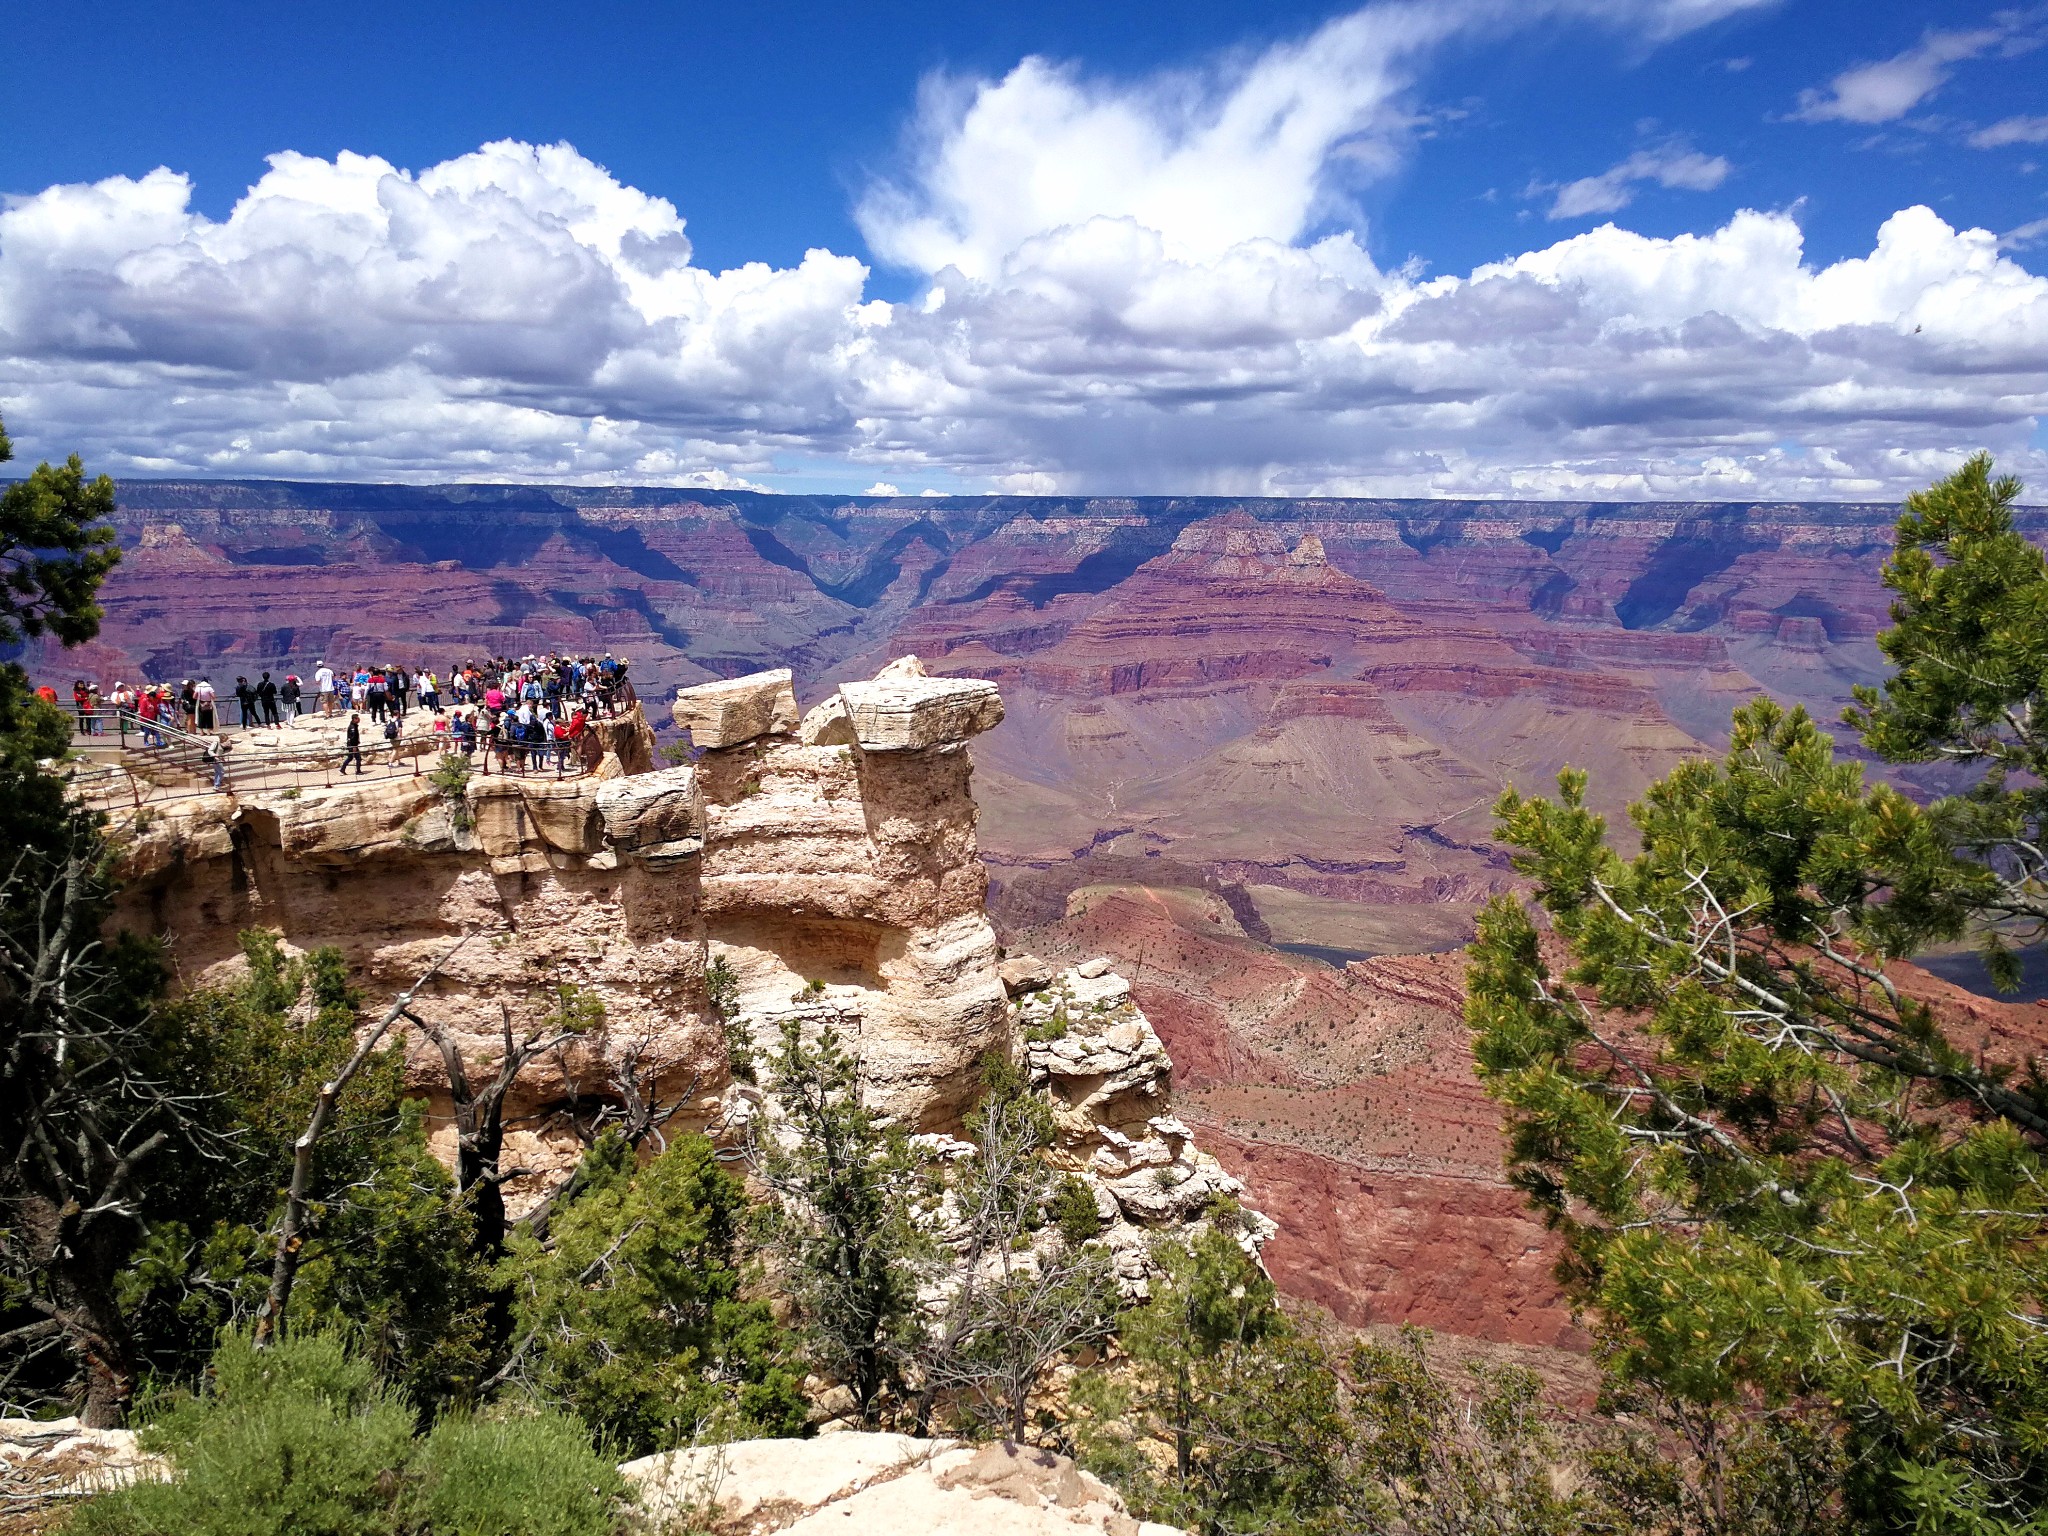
(204, 716)
(323, 687)
(354, 743)
(266, 699)
(291, 692)
(245, 701)
(148, 709)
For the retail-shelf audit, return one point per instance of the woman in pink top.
(494, 698)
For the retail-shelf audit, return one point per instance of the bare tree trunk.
(80, 1263)
(480, 1122)
(291, 1240)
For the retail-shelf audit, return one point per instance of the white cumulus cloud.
(1147, 285)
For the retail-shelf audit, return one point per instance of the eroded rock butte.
(838, 881)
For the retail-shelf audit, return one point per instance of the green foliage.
(1969, 649)
(249, 1058)
(1784, 1187)
(1227, 1418)
(533, 1475)
(391, 1269)
(56, 547)
(636, 1317)
(841, 1228)
(1027, 1292)
(305, 1440)
(1073, 1211)
(451, 777)
(722, 989)
(302, 1439)
(1439, 1459)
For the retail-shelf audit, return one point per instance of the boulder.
(351, 822)
(724, 714)
(514, 815)
(58, 1460)
(858, 1484)
(1024, 973)
(649, 810)
(828, 725)
(894, 714)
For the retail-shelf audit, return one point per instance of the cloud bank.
(1123, 287)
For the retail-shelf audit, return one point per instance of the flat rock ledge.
(51, 1462)
(724, 714)
(899, 709)
(898, 714)
(858, 1484)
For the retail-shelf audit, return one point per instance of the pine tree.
(1783, 1183)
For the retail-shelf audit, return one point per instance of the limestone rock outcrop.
(908, 713)
(856, 1484)
(724, 714)
(45, 1463)
(1084, 1040)
(845, 879)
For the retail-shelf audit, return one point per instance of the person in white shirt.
(323, 684)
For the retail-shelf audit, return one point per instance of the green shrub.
(637, 1315)
(1073, 1211)
(302, 1440)
(530, 1476)
(306, 1440)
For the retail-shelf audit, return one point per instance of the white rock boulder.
(724, 714)
(906, 713)
(856, 1484)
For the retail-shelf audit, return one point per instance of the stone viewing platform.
(819, 870)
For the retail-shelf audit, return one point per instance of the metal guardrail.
(155, 754)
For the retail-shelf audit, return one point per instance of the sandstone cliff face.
(847, 878)
(840, 883)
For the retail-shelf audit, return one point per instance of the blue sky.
(1291, 343)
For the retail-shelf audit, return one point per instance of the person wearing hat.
(148, 710)
(323, 686)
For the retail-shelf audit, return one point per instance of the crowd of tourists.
(522, 712)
